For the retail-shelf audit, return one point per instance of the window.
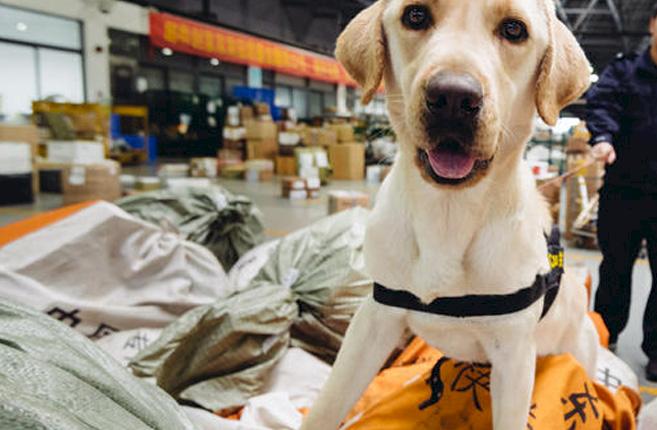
(283, 96)
(154, 77)
(300, 102)
(60, 74)
(210, 86)
(18, 80)
(46, 60)
(181, 81)
(39, 29)
(231, 83)
(316, 103)
(331, 100)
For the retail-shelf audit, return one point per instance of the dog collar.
(546, 285)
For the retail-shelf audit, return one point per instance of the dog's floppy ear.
(564, 72)
(361, 49)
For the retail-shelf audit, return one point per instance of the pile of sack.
(168, 312)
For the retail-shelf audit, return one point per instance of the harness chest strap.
(546, 285)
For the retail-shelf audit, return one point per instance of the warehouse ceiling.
(603, 27)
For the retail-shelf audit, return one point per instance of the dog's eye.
(513, 30)
(416, 17)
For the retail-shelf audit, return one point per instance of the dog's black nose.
(454, 96)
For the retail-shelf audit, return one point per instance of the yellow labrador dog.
(460, 217)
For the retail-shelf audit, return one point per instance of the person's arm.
(603, 110)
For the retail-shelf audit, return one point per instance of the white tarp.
(101, 270)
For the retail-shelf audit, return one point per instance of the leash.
(568, 174)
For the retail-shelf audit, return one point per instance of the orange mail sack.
(564, 397)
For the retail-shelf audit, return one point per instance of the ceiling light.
(594, 78)
(167, 52)
(215, 61)
(21, 26)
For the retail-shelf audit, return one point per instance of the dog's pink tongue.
(450, 164)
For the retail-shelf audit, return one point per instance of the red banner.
(195, 38)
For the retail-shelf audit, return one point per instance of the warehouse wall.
(123, 16)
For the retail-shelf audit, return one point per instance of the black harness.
(487, 305)
(481, 305)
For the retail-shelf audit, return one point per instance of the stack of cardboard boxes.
(18, 149)
(234, 131)
(296, 188)
(259, 170)
(16, 173)
(261, 134)
(261, 139)
(97, 181)
(347, 156)
(250, 134)
(203, 167)
(84, 172)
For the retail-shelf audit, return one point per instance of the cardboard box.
(347, 161)
(315, 136)
(176, 183)
(344, 132)
(148, 183)
(76, 151)
(262, 130)
(294, 188)
(296, 195)
(84, 182)
(286, 166)
(343, 200)
(234, 133)
(315, 157)
(230, 154)
(310, 172)
(293, 183)
(246, 114)
(233, 116)
(15, 158)
(239, 145)
(21, 133)
(233, 171)
(261, 109)
(203, 167)
(313, 183)
(259, 170)
(289, 139)
(173, 170)
(261, 149)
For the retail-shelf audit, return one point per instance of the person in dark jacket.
(622, 119)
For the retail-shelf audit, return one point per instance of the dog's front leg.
(372, 335)
(511, 384)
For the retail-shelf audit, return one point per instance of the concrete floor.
(282, 217)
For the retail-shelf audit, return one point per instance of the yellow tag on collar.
(556, 260)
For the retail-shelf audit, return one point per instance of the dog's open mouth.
(449, 164)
